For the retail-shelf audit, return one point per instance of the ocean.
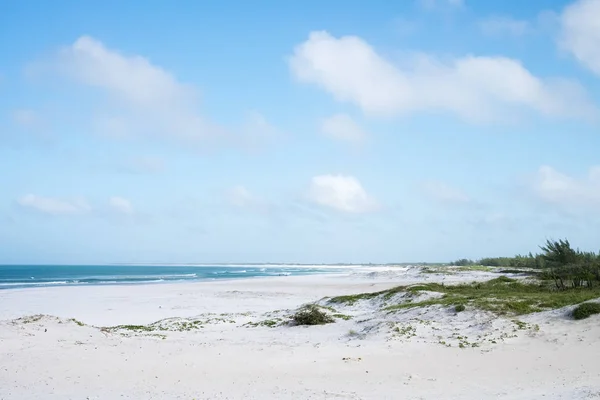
(30, 276)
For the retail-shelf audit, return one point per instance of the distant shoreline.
(309, 265)
(34, 276)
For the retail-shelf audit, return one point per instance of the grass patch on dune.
(76, 321)
(353, 298)
(30, 319)
(172, 325)
(134, 328)
(269, 323)
(466, 268)
(437, 270)
(342, 316)
(502, 296)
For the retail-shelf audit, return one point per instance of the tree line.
(557, 261)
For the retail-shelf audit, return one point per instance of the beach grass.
(342, 316)
(469, 268)
(353, 298)
(269, 323)
(502, 296)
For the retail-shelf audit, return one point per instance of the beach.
(230, 339)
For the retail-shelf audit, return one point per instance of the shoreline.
(228, 339)
(224, 265)
(150, 302)
(147, 303)
(162, 275)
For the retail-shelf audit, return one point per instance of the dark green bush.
(501, 279)
(311, 315)
(586, 310)
(459, 307)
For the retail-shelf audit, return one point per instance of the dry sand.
(413, 354)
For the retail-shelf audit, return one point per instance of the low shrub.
(586, 310)
(311, 315)
(459, 307)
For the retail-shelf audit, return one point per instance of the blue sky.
(308, 132)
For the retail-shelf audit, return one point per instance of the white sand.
(372, 356)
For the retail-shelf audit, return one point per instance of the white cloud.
(120, 205)
(54, 206)
(503, 25)
(25, 118)
(445, 193)
(580, 32)
(474, 88)
(341, 192)
(147, 99)
(557, 188)
(343, 127)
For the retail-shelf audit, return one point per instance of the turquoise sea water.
(29, 276)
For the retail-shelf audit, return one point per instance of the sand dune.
(212, 341)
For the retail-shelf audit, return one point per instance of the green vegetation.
(269, 323)
(77, 322)
(172, 325)
(342, 316)
(311, 315)
(586, 310)
(568, 277)
(353, 298)
(438, 270)
(559, 262)
(569, 267)
(134, 328)
(482, 268)
(519, 261)
(158, 335)
(185, 325)
(407, 331)
(31, 319)
(517, 271)
(519, 324)
(503, 296)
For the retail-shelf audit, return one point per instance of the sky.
(311, 132)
